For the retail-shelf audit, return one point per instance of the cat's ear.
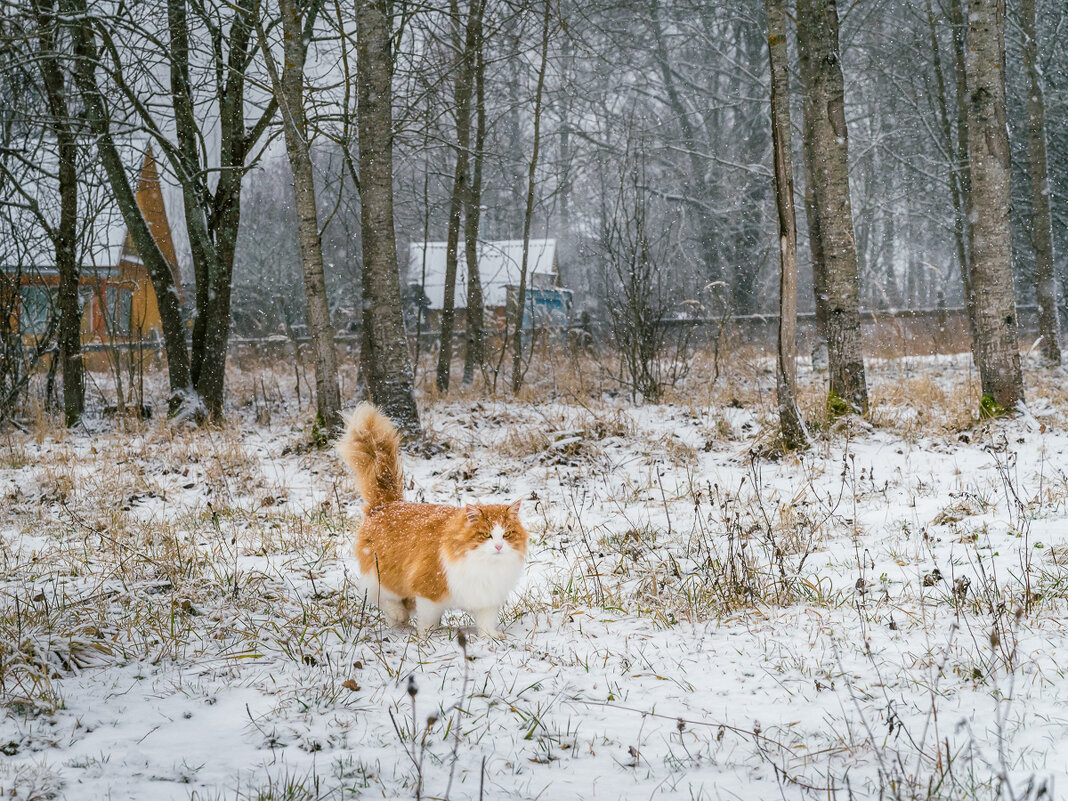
(514, 508)
(472, 513)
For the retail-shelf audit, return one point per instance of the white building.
(499, 266)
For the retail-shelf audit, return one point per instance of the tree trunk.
(793, 430)
(70, 336)
(528, 214)
(997, 349)
(958, 172)
(70, 329)
(1041, 227)
(390, 381)
(962, 166)
(207, 363)
(473, 325)
(159, 271)
(567, 77)
(824, 109)
(289, 89)
(819, 293)
(465, 68)
(212, 216)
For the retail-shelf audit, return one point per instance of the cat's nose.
(500, 545)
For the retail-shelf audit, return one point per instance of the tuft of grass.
(38, 781)
(837, 406)
(990, 409)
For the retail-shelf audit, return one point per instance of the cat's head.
(493, 529)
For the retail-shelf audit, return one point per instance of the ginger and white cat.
(425, 555)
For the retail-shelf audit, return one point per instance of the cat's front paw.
(486, 623)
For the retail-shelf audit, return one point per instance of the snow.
(193, 593)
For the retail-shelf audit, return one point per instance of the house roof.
(102, 231)
(499, 265)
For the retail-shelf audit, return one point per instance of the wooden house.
(116, 294)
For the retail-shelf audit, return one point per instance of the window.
(119, 311)
(35, 309)
(86, 299)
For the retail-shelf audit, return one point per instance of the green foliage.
(320, 434)
(990, 408)
(837, 406)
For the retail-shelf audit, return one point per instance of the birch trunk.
(812, 219)
(815, 251)
(390, 381)
(824, 109)
(1041, 227)
(793, 430)
(465, 48)
(289, 89)
(996, 347)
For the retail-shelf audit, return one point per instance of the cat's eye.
(507, 534)
(486, 535)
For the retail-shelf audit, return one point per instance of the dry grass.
(909, 396)
(912, 407)
(164, 545)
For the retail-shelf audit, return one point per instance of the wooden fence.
(885, 333)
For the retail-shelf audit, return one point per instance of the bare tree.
(27, 332)
(464, 46)
(474, 323)
(63, 234)
(297, 26)
(212, 214)
(390, 381)
(159, 270)
(528, 214)
(708, 243)
(793, 429)
(638, 297)
(962, 163)
(1041, 227)
(958, 178)
(827, 149)
(996, 348)
(208, 55)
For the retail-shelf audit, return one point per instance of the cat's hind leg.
(428, 614)
(393, 607)
(394, 610)
(486, 622)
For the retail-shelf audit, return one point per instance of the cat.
(428, 556)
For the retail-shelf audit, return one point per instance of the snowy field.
(881, 617)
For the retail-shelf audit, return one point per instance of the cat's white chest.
(483, 578)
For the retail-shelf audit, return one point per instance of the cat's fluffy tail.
(370, 447)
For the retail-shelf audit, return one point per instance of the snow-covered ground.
(881, 617)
